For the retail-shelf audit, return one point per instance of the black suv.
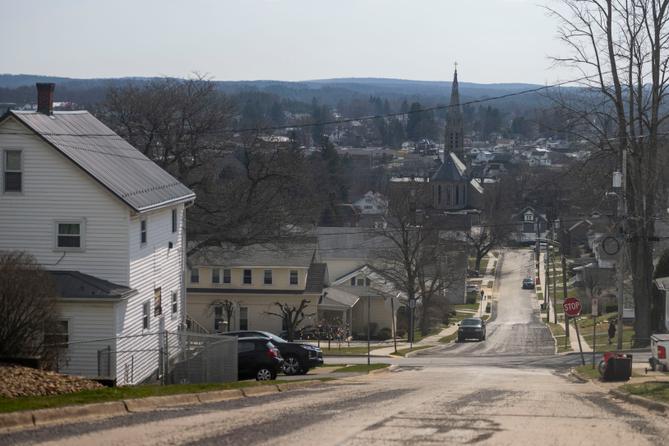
(257, 358)
(472, 328)
(528, 283)
(297, 358)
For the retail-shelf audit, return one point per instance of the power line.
(361, 118)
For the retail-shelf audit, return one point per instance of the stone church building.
(452, 187)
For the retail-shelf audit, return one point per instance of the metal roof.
(289, 254)
(77, 285)
(107, 158)
(451, 170)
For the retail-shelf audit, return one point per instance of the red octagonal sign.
(572, 307)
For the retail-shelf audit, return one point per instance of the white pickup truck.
(659, 346)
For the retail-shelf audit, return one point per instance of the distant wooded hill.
(20, 88)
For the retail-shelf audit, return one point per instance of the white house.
(372, 203)
(108, 223)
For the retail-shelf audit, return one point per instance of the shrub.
(384, 334)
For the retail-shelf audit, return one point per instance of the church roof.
(452, 169)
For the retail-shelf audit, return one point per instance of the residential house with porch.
(108, 224)
(249, 281)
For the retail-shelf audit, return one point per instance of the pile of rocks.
(17, 381)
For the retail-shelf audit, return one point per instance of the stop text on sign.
(572, 307)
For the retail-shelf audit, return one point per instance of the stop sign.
(572, 307)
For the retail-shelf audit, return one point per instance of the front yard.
(658, 391)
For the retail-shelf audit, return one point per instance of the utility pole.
(546, 285)
(554, 294)
(619, 179)
(564, 290)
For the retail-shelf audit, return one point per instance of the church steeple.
(454, 135)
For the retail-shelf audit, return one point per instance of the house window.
(226, 276)
(58, 334)
(157, 302)
(367, 281)
(194, 275)
(268, 277)
(248, 276)
(215, 275)
(352, 281)
(174, 220)
(219, 322)
(69, 235)
(529, 217)
(360, 282)
(142, 230)
(13, 173)
(243, 318)
(175, 303)
(146, 307)
(293, 277)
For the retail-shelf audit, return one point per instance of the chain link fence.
(161, 357)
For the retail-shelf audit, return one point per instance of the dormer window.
(12, 171)
(529, 217)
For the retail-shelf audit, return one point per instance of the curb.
(578, 376)
(639, 400)
(37, 418)
(412, 354)
(380, 371)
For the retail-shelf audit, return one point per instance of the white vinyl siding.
(90, 322)
(151, 267)
(54, 189)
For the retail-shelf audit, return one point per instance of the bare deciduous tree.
(291, 315)
(27, 306)
(621, 48)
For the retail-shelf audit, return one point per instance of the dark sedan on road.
(297, 358)
(472, 328)
(257, 358)
(528, 283)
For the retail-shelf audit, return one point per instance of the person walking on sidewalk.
(612, 330)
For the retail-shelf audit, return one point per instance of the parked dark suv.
(257, 358)
(472, 328)
(297, 358)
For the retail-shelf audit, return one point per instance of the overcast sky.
(492, 40)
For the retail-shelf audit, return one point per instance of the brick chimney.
(45, 98)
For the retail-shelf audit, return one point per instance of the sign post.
(572, 308)
(594, 329)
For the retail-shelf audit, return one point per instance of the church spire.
(454, 132)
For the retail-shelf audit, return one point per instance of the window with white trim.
(146, 308)
(157, 302)
(143, 232)
(12, 171)
(268, 277)
(175, 303)
(227, 278)
(69, 235)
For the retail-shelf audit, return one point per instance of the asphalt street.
(508, 390)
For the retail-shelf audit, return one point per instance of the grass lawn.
(404, 351)
(654, 390)
(345, 351)
(560, 337)
(450, 338)
(587, 371)
(116, 393)
(360, 368)
(586, 323)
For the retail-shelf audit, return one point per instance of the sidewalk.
(431, 340)
(573, 340)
